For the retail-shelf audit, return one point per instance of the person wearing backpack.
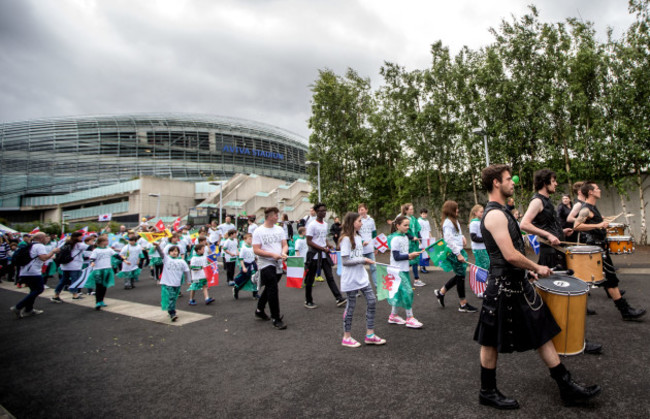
(70, 259)
(30, 259)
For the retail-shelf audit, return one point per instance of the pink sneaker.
(413, 323)
(395, 319)
(375, 340)
(350, 343)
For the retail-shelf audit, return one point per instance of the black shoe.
(494, 398)
(467, 308)
(591, 312)
(256, 295)
(440, 297)
(261, 315)
(279, 324)
(573, 393)
(628, 313)
(424, 271)
(593, 348)
(235, 293)
(310, 305)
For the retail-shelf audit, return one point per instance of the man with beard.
(513, 317)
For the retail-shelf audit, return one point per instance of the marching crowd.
(260, 252)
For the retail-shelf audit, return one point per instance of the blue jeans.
(36, 287)
(68, 278)
(373, 268)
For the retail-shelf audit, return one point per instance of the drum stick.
(546, 242)
(573, 243)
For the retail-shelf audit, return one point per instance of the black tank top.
(498, 264)
(547, 218)
(598, 235)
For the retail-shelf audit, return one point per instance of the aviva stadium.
(58, 156)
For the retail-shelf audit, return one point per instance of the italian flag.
(295, 271)
(394, 286)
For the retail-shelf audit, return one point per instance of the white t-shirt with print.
(247, 254)
(198, 262)
(229, 245)
(425, 228)
(401, 244)
(302, 248)
(353, 277)
(318, 232)
(77, 258)
(270, 240)
(132, 254)
(173, 271)
(102, 257)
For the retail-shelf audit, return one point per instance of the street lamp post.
(479, 131)
(317, 164)
(156, 195)
(220, 183)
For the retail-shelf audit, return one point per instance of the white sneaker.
(350, 343)
(418, 283)
(34, 312)
(413, 323)
(395, 319)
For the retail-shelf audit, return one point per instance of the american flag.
(477, 279)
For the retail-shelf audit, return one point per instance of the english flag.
(212, 274)
(381, 243)
(295, 271)
(176, 224)
(105, 217)
(160, 225)
(477, 279)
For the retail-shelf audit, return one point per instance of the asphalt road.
(74, 362)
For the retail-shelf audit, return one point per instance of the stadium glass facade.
(63, 155)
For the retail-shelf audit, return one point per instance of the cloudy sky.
(252, 59)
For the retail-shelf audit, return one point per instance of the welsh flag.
(295, 271)
(212, 274)
(389, 279)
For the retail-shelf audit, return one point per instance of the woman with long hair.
(456, 260)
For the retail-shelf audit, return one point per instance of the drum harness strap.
(502, 282)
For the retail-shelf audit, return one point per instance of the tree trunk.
(643, 240)
(474, 188)
(567, 167)
(624, 207)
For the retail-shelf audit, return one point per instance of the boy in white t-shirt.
(229, 249)
(301, 244)
(270, 246)
(318, 258)
(174, 269)
(199, 281)
(248, 268)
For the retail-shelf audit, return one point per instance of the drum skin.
(620, 244)
(586, 263)
(566, 297)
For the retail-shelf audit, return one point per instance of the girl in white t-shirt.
(199, 281)
(172, 278)
(130, 272)
(354, 278)
(102, 277)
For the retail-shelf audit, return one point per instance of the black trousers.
(36, 286)
(269, 280)
(459, 282)
(326, 269)
(230, 271)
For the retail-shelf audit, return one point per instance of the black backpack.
(21, 257)
(64, 256)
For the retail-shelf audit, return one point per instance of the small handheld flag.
(534, 243)
(176, 224)
(295, 271)
(160, 225)
(477, 280)
(381, 243)
(212, 274)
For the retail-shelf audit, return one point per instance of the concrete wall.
(176, 197)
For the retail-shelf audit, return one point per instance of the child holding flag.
(478, 246)
(248, 267)
(354, 278)
(171, 279)
(400, 257)
(199, 281)
(455, 241)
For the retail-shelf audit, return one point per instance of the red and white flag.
(83, 230)
(212, 274)
(295, 266)
(381, 243)
(176, 224)
(105, 217)
(36, 230)
(160, 225)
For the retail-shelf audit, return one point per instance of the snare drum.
(586, 263)
(620, 244)
(566, 297)
(615, 229)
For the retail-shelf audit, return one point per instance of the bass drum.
(566, 297)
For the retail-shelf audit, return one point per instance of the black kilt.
(514, 321)
(551, 257)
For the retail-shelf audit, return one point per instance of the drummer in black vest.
(513, 316)
(541, 219)
(594, 229)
